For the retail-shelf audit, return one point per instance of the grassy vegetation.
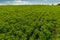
(30, 22)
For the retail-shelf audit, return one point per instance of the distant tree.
(58, 4)
(52, 4)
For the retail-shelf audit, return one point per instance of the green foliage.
(29, 22)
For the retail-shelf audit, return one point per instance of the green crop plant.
(34, 22)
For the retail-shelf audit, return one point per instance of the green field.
(34, 22)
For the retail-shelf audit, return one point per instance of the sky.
(29, 1)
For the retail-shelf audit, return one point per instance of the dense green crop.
(30, 22)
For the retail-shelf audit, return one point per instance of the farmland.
(34, 22)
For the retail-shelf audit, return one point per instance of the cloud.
(18, 2)
(22, 2)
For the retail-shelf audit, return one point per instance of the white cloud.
(20, 2)
(16, 2)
